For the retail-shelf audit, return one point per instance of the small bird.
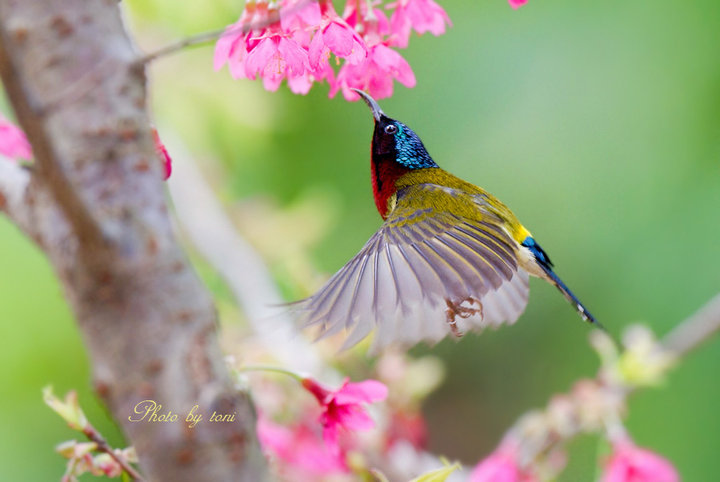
(449, 257)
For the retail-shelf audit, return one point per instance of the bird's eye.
(391, 129)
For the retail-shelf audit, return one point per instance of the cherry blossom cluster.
(346, 431)
(295, 40)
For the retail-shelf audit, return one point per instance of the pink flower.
(515, 4)
(13, 142)
(336, 36)
(375, 74)
(501, 466)
(299, 451)
(163, 153)
(630, 463)
(274, 58)
(419, 15)
(342, 408)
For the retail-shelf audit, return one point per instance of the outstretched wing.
(427, 272)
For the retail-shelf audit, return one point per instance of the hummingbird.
(448, 258)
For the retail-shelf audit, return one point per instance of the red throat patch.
(384, 175)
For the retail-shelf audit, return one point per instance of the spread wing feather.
(420, 260)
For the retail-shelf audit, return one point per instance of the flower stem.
(271, 368)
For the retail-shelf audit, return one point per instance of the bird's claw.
(455, 309)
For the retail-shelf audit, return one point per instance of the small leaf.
(69, 409)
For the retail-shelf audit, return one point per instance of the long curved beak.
(376, 110)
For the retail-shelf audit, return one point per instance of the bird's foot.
(455, 309)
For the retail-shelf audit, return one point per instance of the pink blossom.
(336, 36)
(375, 74)
(630, 463)
(342, 408)
(299, 450)
(13, 142)
(274, 58)
(163, 153)
(515, 4)
(419, 15)
(501, 466)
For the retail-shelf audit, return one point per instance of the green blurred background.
(598, 123)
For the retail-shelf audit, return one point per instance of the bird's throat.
(385, 172)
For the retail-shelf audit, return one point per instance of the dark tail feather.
(584, 313)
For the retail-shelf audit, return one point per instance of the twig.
(102, 445)
(537, 433)
(689, 334)
(189, 42)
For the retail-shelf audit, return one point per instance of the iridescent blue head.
(393, 140)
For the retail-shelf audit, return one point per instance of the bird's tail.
(584, 313)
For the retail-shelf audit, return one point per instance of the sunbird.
(449, 257)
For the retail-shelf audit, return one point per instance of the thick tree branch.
(96, 206)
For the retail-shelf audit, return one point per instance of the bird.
(449, 257)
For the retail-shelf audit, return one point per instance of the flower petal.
(366, 391)
(296, 58)
(259, 57)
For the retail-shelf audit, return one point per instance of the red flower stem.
(103, 446)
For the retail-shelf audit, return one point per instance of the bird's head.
(394, 141)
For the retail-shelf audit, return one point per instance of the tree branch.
(96, 207)
(692, 332)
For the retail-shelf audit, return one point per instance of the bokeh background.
(598, 123)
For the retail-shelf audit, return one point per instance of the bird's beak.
(376, 110)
